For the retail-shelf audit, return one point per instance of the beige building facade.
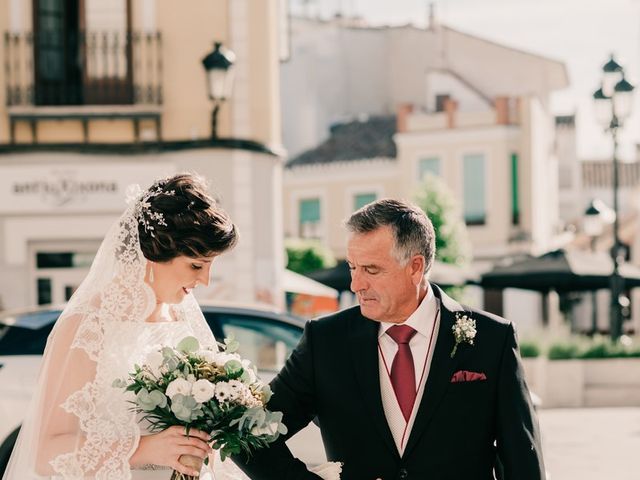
(96, 95)
(433, 101)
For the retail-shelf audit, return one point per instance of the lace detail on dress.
(111, 307)
(98, 338)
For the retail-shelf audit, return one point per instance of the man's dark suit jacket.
(460, 427)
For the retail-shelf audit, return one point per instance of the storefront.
(56, 208)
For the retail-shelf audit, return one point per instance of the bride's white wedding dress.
(78, 426)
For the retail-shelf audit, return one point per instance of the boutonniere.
(464, 330)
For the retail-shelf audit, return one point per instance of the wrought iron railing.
(86, 68)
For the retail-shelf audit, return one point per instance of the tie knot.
(401, 333)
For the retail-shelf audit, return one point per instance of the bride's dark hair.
(185, 220)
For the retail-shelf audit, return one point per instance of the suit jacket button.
(403, 474)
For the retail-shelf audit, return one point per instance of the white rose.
(178, 386)
(221, 357)
(154, 362)
(203, 391)
(208, 356)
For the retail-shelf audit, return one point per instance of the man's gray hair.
(412, 230)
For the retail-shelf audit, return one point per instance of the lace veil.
(78, 425)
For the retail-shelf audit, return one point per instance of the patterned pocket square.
(467, 376)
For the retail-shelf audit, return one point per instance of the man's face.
(387, 290)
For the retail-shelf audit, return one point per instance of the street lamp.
(612, 107)
(218, 67)
(593, 221)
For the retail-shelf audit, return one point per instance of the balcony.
(67, 72)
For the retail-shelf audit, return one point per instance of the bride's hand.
(166, 447)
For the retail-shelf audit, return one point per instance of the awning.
(296, 283)
(562, 271)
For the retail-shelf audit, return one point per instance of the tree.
(307, 255)
(439, 203)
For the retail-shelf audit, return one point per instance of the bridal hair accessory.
(464, 331)
(143, 212)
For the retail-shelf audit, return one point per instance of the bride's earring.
(151, 277)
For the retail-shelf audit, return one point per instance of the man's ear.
(417, 266)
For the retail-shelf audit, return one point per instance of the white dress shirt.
(425, 320)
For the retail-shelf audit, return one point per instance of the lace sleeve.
(76, 427)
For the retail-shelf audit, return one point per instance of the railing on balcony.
(55, 68)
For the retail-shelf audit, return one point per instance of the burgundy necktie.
(403, 376)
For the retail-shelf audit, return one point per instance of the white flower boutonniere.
(464, 331)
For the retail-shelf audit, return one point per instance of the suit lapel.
(363, 336)
(441, 369)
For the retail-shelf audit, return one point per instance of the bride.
(136, 296)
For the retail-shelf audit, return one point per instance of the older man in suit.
(409, 384)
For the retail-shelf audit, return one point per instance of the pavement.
(577, 443)
(591, 443)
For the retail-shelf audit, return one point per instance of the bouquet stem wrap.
(189, 461)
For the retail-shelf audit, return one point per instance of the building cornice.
(144, 147)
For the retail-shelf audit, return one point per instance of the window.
(515, 202)
(428, 165)
(64, 260)
(362, 199)
(474, 189)
(266, 343)
(440, 101)
(83, 52)
(309, 218)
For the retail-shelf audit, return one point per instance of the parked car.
(266, 337)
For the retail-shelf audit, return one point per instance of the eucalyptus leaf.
(119, 383)
(232, 346)
(188, 345)
(233, 368)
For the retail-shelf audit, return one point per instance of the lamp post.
(218, 67)
(613, 106)
(593, 222)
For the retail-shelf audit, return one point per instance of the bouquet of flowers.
(211, 390)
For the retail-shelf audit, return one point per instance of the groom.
(409, 384)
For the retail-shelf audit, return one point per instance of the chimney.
(402, 116)
(450, 107)
(431, 20)
(501, 106)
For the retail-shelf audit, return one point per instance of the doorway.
(59, 269)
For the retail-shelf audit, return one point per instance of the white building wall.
(42, 209)
(542, 187)
(569, 175)
(443, 83)
(337, 72)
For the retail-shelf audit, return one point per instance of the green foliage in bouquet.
(209, 390)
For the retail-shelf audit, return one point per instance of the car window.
(267, 343)
(18, 340)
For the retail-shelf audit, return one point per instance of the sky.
(581, 33)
